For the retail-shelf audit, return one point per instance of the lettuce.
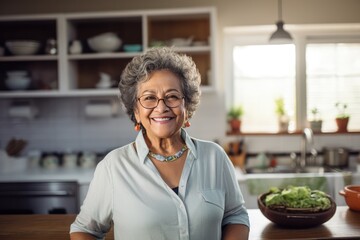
(297, 197)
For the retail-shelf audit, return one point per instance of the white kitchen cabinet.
(75, 75)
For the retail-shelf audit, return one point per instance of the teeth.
(161, 119)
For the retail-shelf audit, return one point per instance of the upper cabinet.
(83, 54)
(189, 33)
(25, 60)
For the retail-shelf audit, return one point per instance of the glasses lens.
(151, 101)
(173, 100)
(148, 101)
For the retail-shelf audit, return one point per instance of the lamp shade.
(280, 35)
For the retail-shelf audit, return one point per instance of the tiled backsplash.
(62, 125)
(292, 143)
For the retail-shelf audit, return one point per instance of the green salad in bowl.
(297, 198)
(296, 206)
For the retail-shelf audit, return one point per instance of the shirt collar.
(143, 150)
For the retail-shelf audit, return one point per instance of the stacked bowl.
(23, 47)
(17, 80)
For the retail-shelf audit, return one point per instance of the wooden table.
(344, 224)
(40, 227)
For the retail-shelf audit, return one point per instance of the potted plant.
(280, 111)
(315, 122)
(234, 118)
(342, 118)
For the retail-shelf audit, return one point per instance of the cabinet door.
(25, 45)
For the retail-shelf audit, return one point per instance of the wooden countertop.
(344, 224)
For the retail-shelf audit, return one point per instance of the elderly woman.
(165, 184)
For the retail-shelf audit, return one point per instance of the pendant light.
(280, 35)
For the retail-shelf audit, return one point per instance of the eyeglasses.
(151, 101)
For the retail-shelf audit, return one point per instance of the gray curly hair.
(155, 59)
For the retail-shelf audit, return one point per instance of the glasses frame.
(158, 100)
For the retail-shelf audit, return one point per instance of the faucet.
(307, 141)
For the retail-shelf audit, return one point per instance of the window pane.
(333, 75)
(261, 74)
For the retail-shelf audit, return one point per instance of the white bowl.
(17, 83)
(106, 42)
(181, 42)
(22, 47)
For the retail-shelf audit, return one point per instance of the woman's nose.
(161, 104)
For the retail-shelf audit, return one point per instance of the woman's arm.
(235, 232)
(81, 236)
(95, 216)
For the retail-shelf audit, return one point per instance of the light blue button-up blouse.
(128, 190)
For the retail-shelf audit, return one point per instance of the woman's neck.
(165, 146)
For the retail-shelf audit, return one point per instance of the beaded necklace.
(168, 158)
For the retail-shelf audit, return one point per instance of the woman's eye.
(149, 98)
(173, 97)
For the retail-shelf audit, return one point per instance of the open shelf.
(66, 74)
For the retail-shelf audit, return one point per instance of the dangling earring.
(137, 127)
(187, 124)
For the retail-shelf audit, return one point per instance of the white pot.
(316, 126)
(283, 123)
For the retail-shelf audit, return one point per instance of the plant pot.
(316, 126)
(342, 124)
(283, 123)
(235, 125)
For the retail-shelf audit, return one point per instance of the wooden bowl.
(296, 219)
(351, 194)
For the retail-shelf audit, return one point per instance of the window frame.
(302, 35)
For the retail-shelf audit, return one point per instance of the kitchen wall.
(231, 12)
(62, 125)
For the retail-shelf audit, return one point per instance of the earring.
(187, 124)
(137, 127)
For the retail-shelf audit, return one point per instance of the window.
(333, 75)
(263, 73)
(321, 68)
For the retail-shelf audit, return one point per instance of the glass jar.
(51, 47)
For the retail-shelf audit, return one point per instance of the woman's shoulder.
(122, 152)
(207, 145)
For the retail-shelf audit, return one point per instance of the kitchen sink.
(316, 169)
(308, 169)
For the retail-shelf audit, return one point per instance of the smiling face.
(162, 121)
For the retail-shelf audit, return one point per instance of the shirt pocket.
(215, 197)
